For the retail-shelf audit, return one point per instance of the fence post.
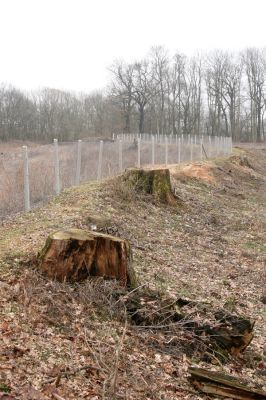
(77, 181)
(179, 150)
(138, 142)
(120, 155)
(26, 179)
(152, 150)
(191, 148)
(166, 151)
(100, 160)
(56, 167)
(201, 148)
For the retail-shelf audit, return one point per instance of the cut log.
(74, 255)
(216, 383)
(155, 182)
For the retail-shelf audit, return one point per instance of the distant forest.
(219, 93)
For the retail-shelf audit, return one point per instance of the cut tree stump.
(152, 181)
(74, 255)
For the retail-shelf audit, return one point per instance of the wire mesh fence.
(30, 176)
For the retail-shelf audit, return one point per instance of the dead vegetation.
(96, 340)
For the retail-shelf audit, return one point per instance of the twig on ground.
(132, 291)
(117, 356)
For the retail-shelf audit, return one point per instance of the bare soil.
(62, 341)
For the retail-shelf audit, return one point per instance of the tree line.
(218, 93)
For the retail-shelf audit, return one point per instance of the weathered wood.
(234, 334)
(224, 335)
(231, 334)
(152, 181)
(212, 382)
(74, 254)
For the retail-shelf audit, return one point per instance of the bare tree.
(221, 94)
(122, 90)
(254, 61)
(223, 81)
(143, 89)
(160, 70)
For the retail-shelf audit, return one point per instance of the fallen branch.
(216, 383)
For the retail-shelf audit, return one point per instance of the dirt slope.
(76, 341)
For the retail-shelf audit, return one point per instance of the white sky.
(68, 44)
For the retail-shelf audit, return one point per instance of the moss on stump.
(155, 182)
(74, 255)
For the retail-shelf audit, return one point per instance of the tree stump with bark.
(153, 181)
(74, 255)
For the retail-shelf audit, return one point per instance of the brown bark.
(74, 255)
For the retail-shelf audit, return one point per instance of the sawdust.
(201, 172)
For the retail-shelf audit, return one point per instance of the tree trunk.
(74, 255)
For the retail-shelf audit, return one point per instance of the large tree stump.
(73, 255)
(152, 181)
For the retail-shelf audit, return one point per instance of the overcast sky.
(69, 44)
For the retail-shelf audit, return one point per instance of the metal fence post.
(209, 146)
(191, 148)
(100, 160)
(56, 167)
(77, 181)
(166, 151)
(153, 151)
(120, 155)
(179, 150)
(26, 179)
(138, 142)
